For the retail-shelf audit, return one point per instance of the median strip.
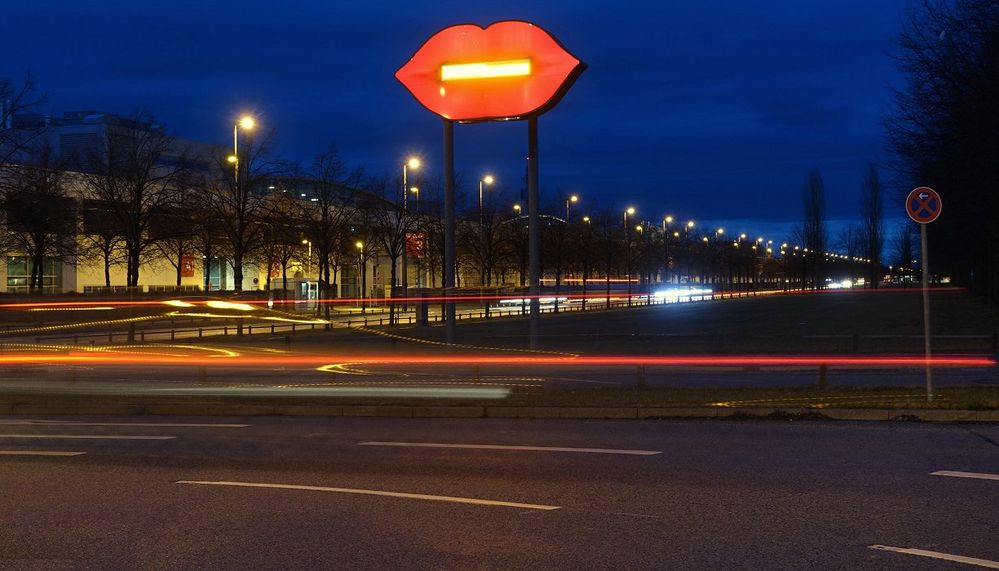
(986, 563)
(625, 452)
(404, 495)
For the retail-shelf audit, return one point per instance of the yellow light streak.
(217, 304)
(71, 308)
(486, 70)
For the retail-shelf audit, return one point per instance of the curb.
(473, 411)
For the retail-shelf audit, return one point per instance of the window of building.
(19, 274)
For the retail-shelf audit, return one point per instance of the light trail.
(456, 298)
(508, 360)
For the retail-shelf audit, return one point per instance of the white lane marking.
(38, 453)
(451, 499)
(87, 436)
(975, 475)
(938, 555)
(144, 424)
(528, 448)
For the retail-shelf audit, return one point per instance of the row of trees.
(141, 196)
(944, 132)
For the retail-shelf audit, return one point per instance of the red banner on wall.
(187, 266)
(416, 244)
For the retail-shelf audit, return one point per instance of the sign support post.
(926, 312)
(534, 229)
(923, 205)
(450, 314)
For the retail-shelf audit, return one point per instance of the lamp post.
(572, 198)
(364, 274)
(628, 212)
(411, 163)
(308, 260)
(516, 208)
(627, 239)
(488, 179)
(666, 222)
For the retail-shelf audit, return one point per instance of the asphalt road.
(643, 495)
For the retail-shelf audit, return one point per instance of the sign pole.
(926, 312)
(923, 205)
(534, 228)
(449, 254)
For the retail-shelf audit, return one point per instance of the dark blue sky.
(707, 110)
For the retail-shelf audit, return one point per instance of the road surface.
(199, 493)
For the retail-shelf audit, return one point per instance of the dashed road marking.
(973, 475)
(986, 563)
(87, 436)
(512, 447)
(39, 453)
(143, 424)
(405, 495)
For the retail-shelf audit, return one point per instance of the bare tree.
(945, 131)
(15, 100)
(100, 238)
(814, 227)
(390, 223)
(40, 217)
(134, 170)
(872, 224)
(326, 216)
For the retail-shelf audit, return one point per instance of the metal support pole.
(926, 312)
(405, 241)
(449, 253)
(534, 228)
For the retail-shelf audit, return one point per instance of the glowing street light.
(308, 261)
(488, 179)
(572, 199)
(586, 219)
(247, 123)
(516, 208)
(628, 212)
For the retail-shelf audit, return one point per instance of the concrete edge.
(494, 411)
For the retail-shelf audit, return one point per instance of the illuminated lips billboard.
(509, 70)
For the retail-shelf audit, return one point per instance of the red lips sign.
(509, 70)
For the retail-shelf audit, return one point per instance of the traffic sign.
(508, 70)
(923, 205)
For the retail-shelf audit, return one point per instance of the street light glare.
(359, 245)
(232, 159)
(586, 219)
(488, 179)
(690, 224)
(573, 198)
(414, 163)
(630, 210)
(669, 219)
(247, 122)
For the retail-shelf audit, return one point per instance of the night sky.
(708, 110)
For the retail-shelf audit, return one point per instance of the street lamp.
(719, 232)
(308, 261)
(572, 198)
(247, 123)
(488, 179)
(586, 219)
(364, 273)
(629, 211)
(687, 228)
(516, 208)
(411, 163)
